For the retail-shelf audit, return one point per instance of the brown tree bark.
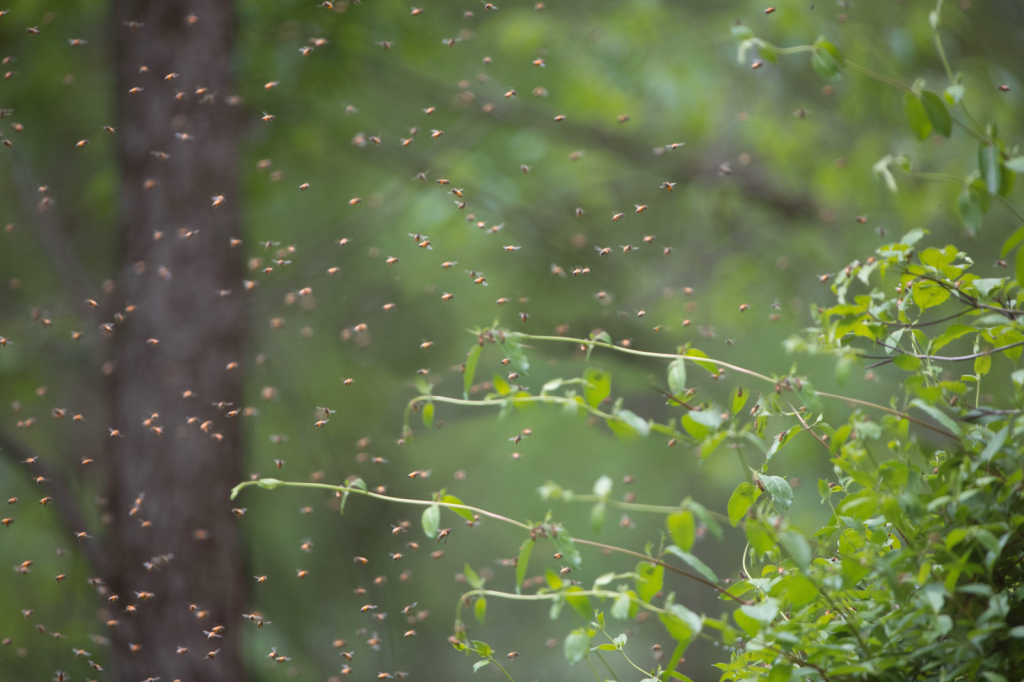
(187, 296)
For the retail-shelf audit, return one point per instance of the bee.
(502, 301)
(211, 635)
(267, 118)
(510, 94)
(361, 560)
(300, 573)
(136, 90)
(618, 216)
(348, 382)
(303, 187)
(447, 297)
(770, 10)
(510, 249)
(627, 248)
(512, 655)
(565, 570)
(7, 522)
(602, 252)
(415, 11)
(260, 579)
(426, 345)
(1004, 88)
(448, 263)
(391, 260)
(666, 251)
(862, 219)
(757, 65)
(60, 578)
(743, 307)
(81, 143)
(368, 607)
(218, 200)
(45, 501)
(434, 134)
(213, 654)
(181, 650)
(443, 535)
(640, 208)
(668, 185)
(320, 423)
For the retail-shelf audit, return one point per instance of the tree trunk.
(187, 324)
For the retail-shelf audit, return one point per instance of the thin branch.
(943, 358)
(70, 514)
(719, 363)
(273, 483)
(808, 428)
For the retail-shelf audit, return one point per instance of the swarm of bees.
(471, 206)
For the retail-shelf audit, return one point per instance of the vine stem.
(741, 370)
(275, 483)
(634, 506)
(495, 402)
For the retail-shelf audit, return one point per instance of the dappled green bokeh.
(763, 232)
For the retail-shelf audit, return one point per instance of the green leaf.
(824, 61)
(1012, 241)
(472, 578)
(1016, 164)
(739, 399)
(937, 113)
(464, 513)
(741, 32)
(633, 423)
(624, 607)
(577, 646)
(929, 294)
(480, 609)
(683, 528)
(908, 363)
(694, 562)
(779, 489)
(1020, 267)
(982, 365)
(598, 387)
(740, 502)
(677, 376)
(471, 361)
(988, 164)
(598, 514)
(953, 94)
(797, 548)
(938, 415)
(482, 648)
(522, 562)
(916, 115)
(781, 672)
(760, 538)
(650, 579)
(764, 612)
(579, 602)
(481, 664)
(952, 333)
(682, 624)
(431, 521)
(501, 386)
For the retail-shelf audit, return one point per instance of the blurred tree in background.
(307, 133)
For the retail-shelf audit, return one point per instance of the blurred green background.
(766, 201)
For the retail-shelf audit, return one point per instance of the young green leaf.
(472, 578)
(471, 362)
(677, 376)
(916, 115)
(577, 646)
(937, 113)
(522, 561)
(740, 502)
(431, 521)
(480, 610)
(428, 415)
(683, 528)
(464, 513)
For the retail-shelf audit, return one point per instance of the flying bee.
(565, 570)
(640, 208)
(361, 560)
(449, 263)
(443, 535)
(627, 248)
(618, 216)
(510, 249)
(502, 301)
(770, 10)
(668, 185)
(260, 579)
(602, 252)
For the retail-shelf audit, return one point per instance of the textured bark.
(176, 285)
